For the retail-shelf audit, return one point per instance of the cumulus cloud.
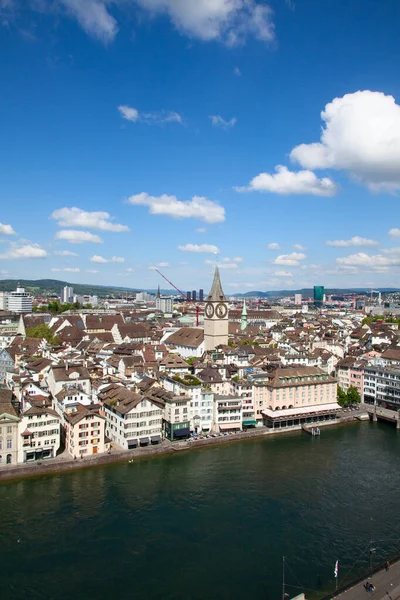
(227, 21)
(287, 182)
(6, 230)
(354, 241)
(78, 237)
(76, 217)
(196, 208)
(26, 251)
(204, 248)
(298, 247)
(100, 259)
(161, 265)
(218, 121)
(395, 232)
(361, 135)
(273, 246)
(68, 270)
(236, 259)
(151, 118)
(65, 253)
(290, 260)
(283, 274)
(361, 259)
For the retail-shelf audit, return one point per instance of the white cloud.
(206, 248)
(236, 259)
(130, 270)
(354, 241)
(196, 208)
(101, 260)
(218, 121)
(161, 265)
(201, 230)
(93, 17)
(27, 251)
(283, 274)
(224, 265)
(298, 247)
(92, 271)
(68, 270)
(273, 246)
(76, 217)
(361, 135)
(395, 232)
(361, 259)
(78, 237)
(65, 253)
(287, 182)
(237, 71)
(151, 118)
(290, 260)
(6, 230)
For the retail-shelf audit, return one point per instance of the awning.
(144, 440)
(180, 433)
(132, 443)
(226, 426)
(155, 439)
(249, 423)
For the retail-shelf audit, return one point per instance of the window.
(9, 429)
(9, 444)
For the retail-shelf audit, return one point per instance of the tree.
(43, 332)
(353, 395)
(341, 396)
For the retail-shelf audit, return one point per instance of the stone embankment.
(65, 464)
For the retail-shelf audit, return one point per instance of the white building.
(19, 301)
(201, 407)
(3, 300)
(39, 434)
(298, 299)
(228, 413)
(67, 293)
(164, 304)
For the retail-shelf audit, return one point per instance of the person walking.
(387, 566)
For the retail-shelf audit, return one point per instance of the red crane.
(170, 283)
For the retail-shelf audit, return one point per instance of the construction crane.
(170, 283)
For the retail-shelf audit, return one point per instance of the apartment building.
(39, 434)
(382, 384)
(84, 430)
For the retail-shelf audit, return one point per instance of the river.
(209, 524)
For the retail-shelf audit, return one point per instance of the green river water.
(207, 524)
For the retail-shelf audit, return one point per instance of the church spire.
(158, 291)
(217, 293)
(243, 323)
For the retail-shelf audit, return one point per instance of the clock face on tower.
(209, 310)
(221, 310)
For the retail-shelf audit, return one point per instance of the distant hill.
(308, 292)
(49, 287)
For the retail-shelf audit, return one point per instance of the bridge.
(377, 413)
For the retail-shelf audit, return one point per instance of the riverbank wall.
(61, 464)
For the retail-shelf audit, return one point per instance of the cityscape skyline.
(137, 139)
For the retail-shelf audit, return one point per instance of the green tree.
(43, 332)
(353, 395)
(341, 396)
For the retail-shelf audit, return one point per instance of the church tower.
(216, 315)
(243, 321)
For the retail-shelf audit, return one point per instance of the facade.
(84, 431)
(228, 413)
(164, 304)
(69, 376)
(319, 292)
(39, 434)
(9, 428)
(67, 294)
(176, 419)
(216, 316)
(201, 408)
(201, 295)
(4, 301)
(6, 365)
(20, 301)
(382, 385)
(349, 372)
(298, 299)
(287, 393)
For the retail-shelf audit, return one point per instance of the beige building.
(39, 434)
(289, 394)
(84, 431)
(9, 423)
(216, 321)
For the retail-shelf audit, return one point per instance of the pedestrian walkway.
(387, 586)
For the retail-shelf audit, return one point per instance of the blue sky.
(139, 133)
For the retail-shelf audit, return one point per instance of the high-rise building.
(189, 296)
(4, 300)
(19, 301)
(319, 293)
(67, 294)
(201, 295)
(164, 304)
(194, 295)
(298, 299)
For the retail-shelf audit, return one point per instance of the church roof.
(217, 293)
